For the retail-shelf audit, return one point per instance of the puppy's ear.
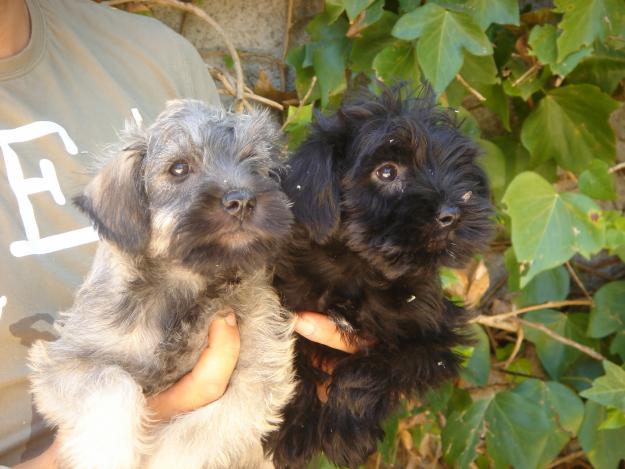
(116, 202)
(313, 181)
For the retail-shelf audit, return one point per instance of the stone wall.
(255, 27)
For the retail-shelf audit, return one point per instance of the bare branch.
(483, 319)
(470, 89)
(534, 68)
(520, 335)
(577, 280)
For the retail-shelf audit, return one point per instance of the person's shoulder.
(108, 21)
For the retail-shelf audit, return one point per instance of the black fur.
(367, 253)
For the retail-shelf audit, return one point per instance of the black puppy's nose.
(238, 202)
(447, 216)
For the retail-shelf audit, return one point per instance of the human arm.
(205, 383)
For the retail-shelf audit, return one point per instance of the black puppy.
(385, 191)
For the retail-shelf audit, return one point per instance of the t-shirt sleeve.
(195, 74)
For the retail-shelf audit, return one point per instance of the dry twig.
(578, 281)
(564, 340)
(287, 36)
(470, 89)
(520, 335)
(537, 66)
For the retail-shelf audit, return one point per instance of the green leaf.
(519, 430)
(479, 69)
(477, 368)
(550, 285)
(563, 406)
(463, 432)
(585, 21)
(617, 346)
(608, 390)
(615, 419)
(371, 41)
(298, 128)
(529, 426)
(608, 314)
(485, 12)
(354, 7)
(443, 35)
(529, 85)
(604, 448)
(328, 54)
(549, 228)
(493, 162)
(542, 40)
(397, 61)
(605, 69)
(597, 182)
(571, 125)
(303, 74)
(555, 357)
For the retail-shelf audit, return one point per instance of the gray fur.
(170, 258)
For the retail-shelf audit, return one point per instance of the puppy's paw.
(348, 441)
(361, 387)
(297, 441)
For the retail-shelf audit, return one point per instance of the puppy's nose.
(447, 216)
(238, 202)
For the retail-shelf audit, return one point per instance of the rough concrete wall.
(255, 27)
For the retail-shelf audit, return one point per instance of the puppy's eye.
(179, 168)
(387, 172)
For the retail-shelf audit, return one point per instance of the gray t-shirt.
(63, 99)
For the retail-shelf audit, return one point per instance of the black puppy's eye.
(179, 168)
(387, 172)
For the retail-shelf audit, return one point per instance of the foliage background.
(540, 85)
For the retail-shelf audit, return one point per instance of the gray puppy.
(189, 214)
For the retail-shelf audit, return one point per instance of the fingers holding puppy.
(209, 378)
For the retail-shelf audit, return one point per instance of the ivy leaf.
(442, 35)
(371, 41)
(354, 7)
(597, 182)
(549, 228)
(608, 390)
(304, 74)
(555, 357)
(571, 125)
(542, 40)
(583, 22)
(617, 347)
(530, 85)
(397, 61)
(328, 54)
(607, 315)
(477, 367)
(298, 128)
(485, 12)
(604, 448)
(463, 432)
(520, 430)
(614, 419)
(550, 285)
(493, 162)
(479, 69)
(605, 69)
(564, 410)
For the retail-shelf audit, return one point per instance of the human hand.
(208, 380)
(321, 329)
